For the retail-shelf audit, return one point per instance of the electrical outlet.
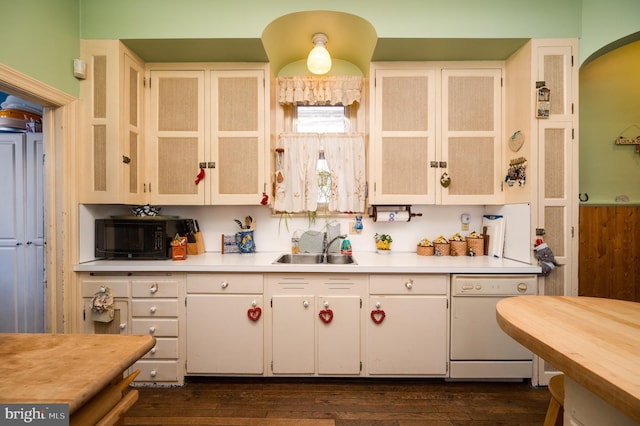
(465, 219)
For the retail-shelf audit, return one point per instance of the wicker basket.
(426, 250)
(442, 248)
(476, 245)
(458, 248)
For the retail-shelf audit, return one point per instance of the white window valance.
(315, 90)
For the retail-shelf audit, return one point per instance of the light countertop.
(64, 368)
(594, 341)
(367, 262)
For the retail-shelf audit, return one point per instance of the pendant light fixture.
(319, 60)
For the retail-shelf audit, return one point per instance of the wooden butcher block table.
(595, 342)
(80, 370)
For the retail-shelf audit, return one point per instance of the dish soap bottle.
(346, 247)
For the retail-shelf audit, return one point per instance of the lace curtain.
(345, 159)
(313, 90)
(297, 190)
(297, 186)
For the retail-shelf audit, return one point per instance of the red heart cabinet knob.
(254, 313)
(326, 315)
(377, 315)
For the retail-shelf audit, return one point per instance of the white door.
(221, 335)
(21, 233)
(411, 338)
(338, 334)
(293, 334)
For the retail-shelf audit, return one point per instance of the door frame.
(60, 127)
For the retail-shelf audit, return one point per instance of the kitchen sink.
(316, 259)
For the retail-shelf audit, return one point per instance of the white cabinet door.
(293, 337)
(221, 335)
(21, 233)
(238, 137)
(411, 339)
(338, 334)
(176, 137)
(471, 135)
(403, 137)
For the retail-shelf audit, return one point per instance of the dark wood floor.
(341, 402)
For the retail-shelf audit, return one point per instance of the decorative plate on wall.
(516, 141)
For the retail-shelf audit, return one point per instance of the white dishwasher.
(479, 348)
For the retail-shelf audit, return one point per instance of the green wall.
(609, 106)
(604, 22)
(40, 38)
(400, 18)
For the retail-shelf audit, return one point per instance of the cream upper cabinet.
(471, 138)
(207, 134)
(403, 136)
(176, 136)
(431, 122)
(112, 124)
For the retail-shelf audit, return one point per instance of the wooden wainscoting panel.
(610, 252)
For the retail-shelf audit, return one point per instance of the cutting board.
(495, 230)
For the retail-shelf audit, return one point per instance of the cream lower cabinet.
(225, 324)
(94, 322)
(434, 121)
(407, 325)
(157, 309)
(143, 304)
(315, 324)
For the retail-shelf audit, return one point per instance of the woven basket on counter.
(458, 248)
(442, 248)
(476, 245)
(426, 250)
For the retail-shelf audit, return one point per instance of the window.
(322, 119)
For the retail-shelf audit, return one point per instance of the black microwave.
(144, 238)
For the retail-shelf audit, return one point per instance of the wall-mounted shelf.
(630, 140)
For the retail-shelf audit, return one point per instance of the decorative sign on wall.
(543, 95)
(626, 137)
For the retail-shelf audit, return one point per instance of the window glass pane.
(321, 119)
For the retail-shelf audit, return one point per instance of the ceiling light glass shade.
(319, 60)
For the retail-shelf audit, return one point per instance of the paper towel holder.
(374, 210)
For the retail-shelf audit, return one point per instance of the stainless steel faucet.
(325, 249)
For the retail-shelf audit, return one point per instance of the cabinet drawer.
(118, 288)
(156, 371)
(154, 308)
(159, 327)
(408, 284)
(224, 283)
(154, 288)
(164, 348)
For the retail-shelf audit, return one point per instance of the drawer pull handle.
(224, 284)
(326, 315)
(152, 329)
(153, 309)
(153, 351)
(254, 313)
(154, 288)
(305, 303)
(153, 373)
(377, 316)
(409, 284)
(123, 326)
